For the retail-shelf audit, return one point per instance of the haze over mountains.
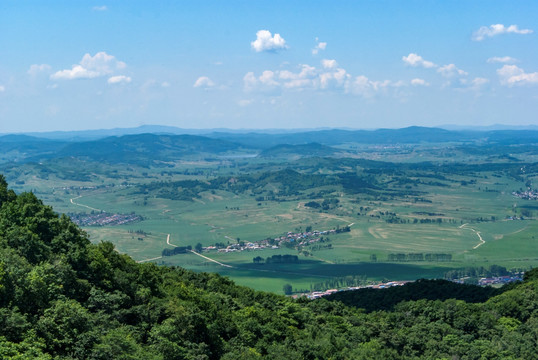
(149, 143)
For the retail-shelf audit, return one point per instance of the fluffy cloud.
(511, 75)
(417, 60)
(498, 29)
(419, 82)
(2, 88)
(268, 78)
(203, 81)
(119, 79)
(100, 8)
(307, 77)
(336, 78)
(451, 70)
(328, 77)
(504, 59)
(36, 69)
(101, 64)
(266, 42)
(319, 46)
(329, 64)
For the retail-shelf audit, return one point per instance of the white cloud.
(504, 59)
(203, 81)
(416, 60)
(165, 84)
(36, 69)
(266, 42)
(511, 75)
(419, 82)
(498, 29)
(329, 64)
(100, 8)
(268, 78)
(479, 81)
(336, 79)
(2, 88)
(451, 70)
(311, 78)
(305, 78)
(119, 79)
(77, 72)
(101, 64)
(319, 46)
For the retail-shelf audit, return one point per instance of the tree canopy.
(62, 297)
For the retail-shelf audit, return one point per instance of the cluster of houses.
(319, 294)
(103, 218)
(527, 195)
(482, 282)
(499, 280)
(239, 247)
(298, 239)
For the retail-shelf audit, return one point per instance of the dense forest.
(62, 297)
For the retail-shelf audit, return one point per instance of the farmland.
(419, 210)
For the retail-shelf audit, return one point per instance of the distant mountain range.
(158, 144)
(82, 135)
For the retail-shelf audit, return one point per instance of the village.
(526, 195)
(318, 294)
(489, 281)
(103, 219)
(293, 239)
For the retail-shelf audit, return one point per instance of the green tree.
(288, 290)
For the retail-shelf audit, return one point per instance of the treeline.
(476, 272)
(339, 282)
(436, 257)
(326, 204)
(276, 259)
(176, 250)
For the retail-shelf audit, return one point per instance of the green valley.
(414, 209)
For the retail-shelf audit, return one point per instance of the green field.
(412, 207)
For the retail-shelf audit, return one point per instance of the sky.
(77, 65)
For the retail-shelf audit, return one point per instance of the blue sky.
(73, 65)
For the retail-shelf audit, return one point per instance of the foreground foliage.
(64, 298)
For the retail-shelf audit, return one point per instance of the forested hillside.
(63, 298)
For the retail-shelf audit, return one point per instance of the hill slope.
(63, 298)
(146, 148)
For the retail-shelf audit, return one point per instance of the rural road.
(482, 242)
(78, 204)
(215, 261)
